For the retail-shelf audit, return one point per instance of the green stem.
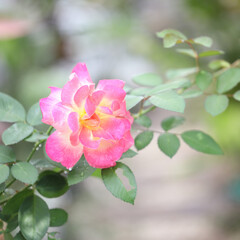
(144, 111)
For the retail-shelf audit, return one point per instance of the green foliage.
(58, 217)
(129, 154)
(228, 80)
(218, 64)
(25, 172)
(7, 155)
(51, 184)
(210, 53)
(34, 218)
(192, 93)
(34, 115)
(236, 95)
(16, 133)
(144, 120)
(10, 109)
(4, 173)
(201, 142)
(148, 79)
(143, 139)
(203, 80)
(132, 101)
(168, 144)
(169, 100)
(216, 104)
(80, 173)
(188, 52)
(204, 41)
(115, 185)
(172, 122)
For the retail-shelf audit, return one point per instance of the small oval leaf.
(143, 139)
(4, 173)
(132, 101)
(144, 121)
(7, 155)
(172, 122)
(34, 115)
(203, 80)
(148, 79)
(216, 104)
(58, 217)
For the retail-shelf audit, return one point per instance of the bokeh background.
(190, 197)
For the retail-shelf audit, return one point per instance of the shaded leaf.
(163, 33)
(192, 93)
(132, 101)
(204, 41)
(170, 40)
(236, 95)
(7, 155)
(34, 115)
(144, 121)
(188, 52)
(172, 122)
(148, 79)
(58, 217)
(143, 139)
(203, 80)
(210, 53)
(219, 63)
(216, 104)
(4, 173)
(128, 154)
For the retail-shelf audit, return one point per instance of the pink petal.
(90, 107)
(97, 96)
(86, 138)
(127, 141)
(81, 71)
(60, 114)
(110, 82)
(105, 155)
(80, 96)
(73, 121)
(74, 138)
(47, 104)
(104, 110)
(59, 149)
(113, 93)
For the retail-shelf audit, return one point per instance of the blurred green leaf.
(10, 109)
(36, 136)
(201, 142)
(25, 172)
(210, 53)
(172, 122)
(188, 52)
(80, 173)
(58, 217)
(169, 100)
(168, 144)
(128, 154)
(228, 80)
(203, 80)
(204, 41)
(19, 236)
(34, 115)
(7, 155)
(170, 40)
(16, 133)
(236, 95)
(4, 173)
(132, 101)
(12, 223)
(143, 139)
(34, 218)
(216, 104)
(51, 184)
(163, 33)
(142, 91)
(219, 63)
(7, 236)
(180, 72)
(192, 93)
(144, 120)
(148, 79)
(114, 184)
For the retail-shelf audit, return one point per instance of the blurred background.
(190, 197)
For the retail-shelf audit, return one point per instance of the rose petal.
(59, 149)
(105, 155)
(82, 72)
(127, 141)
(86, 138)
(81, 95)
(110, 82)
(73, 121)
(90, 107)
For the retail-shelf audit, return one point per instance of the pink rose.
(89, 121)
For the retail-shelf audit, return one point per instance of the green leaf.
(51, 184)
(12, 206)
(204, 41)
(19, 236)
(192, 93)
(4, 173)
(16, 133)
(115, 185)
(216, 104)
(201, 142)
(144, 121)
(228, 80)
(34, 218)
(188, 52)
(143, 139)
(142, 91)
(236, 95)
(7, 155)
(167, 86)
(8, 236)
(180, 72)
(169, 144)
(10, 109)
(128, 154)
(210, 53)
(163, 33)
(80, 173)
(203, 80)
(34, 115)
(148, 79)
(25, 172)
(36, 136)
(12, 223)
(172, 122)
(58, 217)
(219, 63)
(169, 100)
(132, 101)
(126, 88)
(170, 40)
